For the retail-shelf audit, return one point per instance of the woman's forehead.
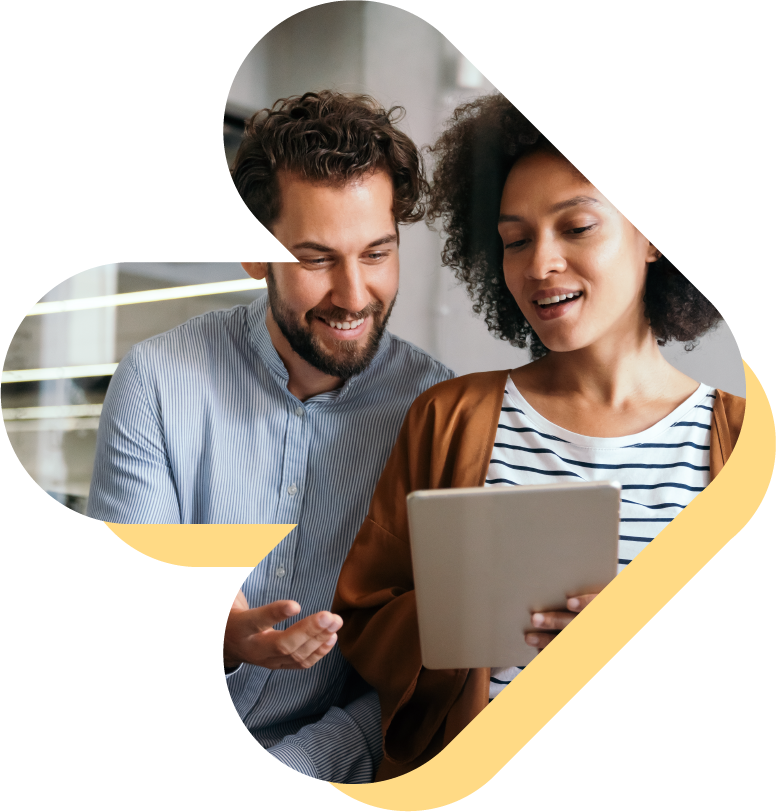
(547, 181)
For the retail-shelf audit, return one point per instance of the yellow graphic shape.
(204, 545)
(625, 606)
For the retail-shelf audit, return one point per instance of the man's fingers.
(311, 646)
(552, 620)
(315, 628)
(313, 651)
(319, 653)
(265, 617)
(579, 602)
(240, 603)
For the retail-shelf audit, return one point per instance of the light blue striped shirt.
(198, 426)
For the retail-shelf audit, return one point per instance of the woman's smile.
(576, 267)
(554, 303)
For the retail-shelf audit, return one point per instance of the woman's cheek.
(511, 279)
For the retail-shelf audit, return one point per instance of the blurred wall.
(400, 59)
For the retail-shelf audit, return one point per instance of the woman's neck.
(610, 389)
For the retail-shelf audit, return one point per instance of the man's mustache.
(338, 314)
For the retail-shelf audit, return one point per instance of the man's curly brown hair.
(332, 138)
(484, 139)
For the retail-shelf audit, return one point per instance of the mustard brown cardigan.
(445, 442)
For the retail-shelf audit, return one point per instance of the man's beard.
(351, 358)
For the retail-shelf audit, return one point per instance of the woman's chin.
(562, 343)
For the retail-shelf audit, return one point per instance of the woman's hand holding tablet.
(555, 621)
(490, 562)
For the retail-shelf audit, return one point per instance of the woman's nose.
(546, 259)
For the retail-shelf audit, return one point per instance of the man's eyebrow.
(564, 204)
(383, 240)
(325, 249)
(314, 246)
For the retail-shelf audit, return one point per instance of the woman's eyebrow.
(575, 201)
(564, 204)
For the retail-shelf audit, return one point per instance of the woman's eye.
(580, 229)
(515, 244)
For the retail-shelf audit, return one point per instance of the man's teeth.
(561, 298)
(346, 325)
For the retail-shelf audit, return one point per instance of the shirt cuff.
(294, 757)
(344, 746)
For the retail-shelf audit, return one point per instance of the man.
(285, 412)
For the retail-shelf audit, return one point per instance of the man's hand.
(555, 621)
(250, 638)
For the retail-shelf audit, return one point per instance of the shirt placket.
(291, 496)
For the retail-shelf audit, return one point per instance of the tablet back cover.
(485, 559)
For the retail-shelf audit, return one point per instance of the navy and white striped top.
(198, 426)
(660, 469)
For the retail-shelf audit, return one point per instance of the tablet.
(485, 559)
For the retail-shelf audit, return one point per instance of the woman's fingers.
(539, 640)
(579, 602)
(552, 620)
(555, 621)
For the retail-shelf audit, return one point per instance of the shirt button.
(299, 411)
(280, 571)
(292, 489)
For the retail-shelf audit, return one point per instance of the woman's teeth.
(555, 299)
(345, 325)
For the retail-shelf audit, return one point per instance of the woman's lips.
(554, 311)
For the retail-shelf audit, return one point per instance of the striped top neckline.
(697, 408)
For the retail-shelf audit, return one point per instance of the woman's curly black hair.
(484, 139)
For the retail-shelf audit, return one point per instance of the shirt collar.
(262, 343)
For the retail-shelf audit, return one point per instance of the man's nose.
(546, 258)
(349, 290)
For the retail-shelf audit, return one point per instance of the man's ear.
(258, 270)
(653, 255)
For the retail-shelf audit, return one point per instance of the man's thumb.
(265, 617)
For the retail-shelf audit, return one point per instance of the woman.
(551, 264)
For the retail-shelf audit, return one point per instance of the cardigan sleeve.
(727, 420)
(376, 599)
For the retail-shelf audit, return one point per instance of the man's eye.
(580, 229)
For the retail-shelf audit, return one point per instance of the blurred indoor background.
(60, 360)
(400, 59)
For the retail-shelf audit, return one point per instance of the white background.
(113, 693)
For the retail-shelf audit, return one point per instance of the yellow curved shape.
(624, 607)
(204, 545)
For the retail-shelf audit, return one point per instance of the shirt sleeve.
(132, 481)
(344, 746)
